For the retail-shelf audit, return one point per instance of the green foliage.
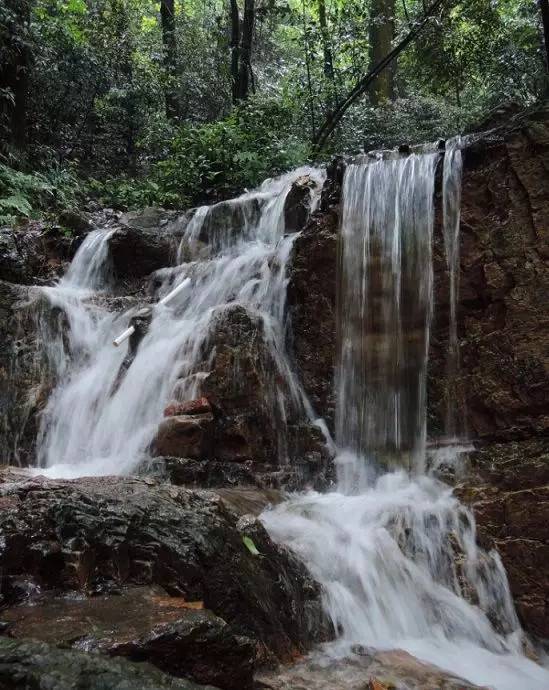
(25, 195)
(97, 81)
(257, 140)
(249, 544)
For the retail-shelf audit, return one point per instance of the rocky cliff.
(503, 382)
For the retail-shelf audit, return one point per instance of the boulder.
(26, 664)
(75, 221)
(95, 535)
(142, 245)
(33, 253)
(297, 204)
(185, 436)
(142, 624)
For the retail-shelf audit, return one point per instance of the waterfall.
(385, 309)
(100, 421)
(451, 199)
(395, 552)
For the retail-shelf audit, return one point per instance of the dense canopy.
(172, 102)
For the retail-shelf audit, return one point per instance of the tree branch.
(361, 86)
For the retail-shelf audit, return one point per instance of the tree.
(241, 49)
(15, 65)
(326, 48)
(364, 82)
(167, 16)
(382, 33)
(544, 9)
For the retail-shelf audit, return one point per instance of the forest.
(133, 102)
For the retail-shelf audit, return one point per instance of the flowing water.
(99, 422)
(394, 551)
(451, 190)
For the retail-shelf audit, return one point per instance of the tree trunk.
(364, 82)
(544, 9)
(245, 66)
(235, 48)
(167, 16)
(14, 73)
(382, 33)
(326, 49)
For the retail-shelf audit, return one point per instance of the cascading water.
(100, 422)
(385, 310)
(396, 555)
(451, 200)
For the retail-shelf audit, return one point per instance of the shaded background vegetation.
(138, 102)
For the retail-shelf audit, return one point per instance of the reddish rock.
(101, 534)
(185, 436)
(189, 407)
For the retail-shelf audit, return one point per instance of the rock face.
(509, 493)
(98, 534)
(504, 284)
(502, 328)
(24, 381)
(312, 305)
(28, 664)
(247, 418)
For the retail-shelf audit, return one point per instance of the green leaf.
(249, 544)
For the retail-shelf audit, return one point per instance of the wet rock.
(365, 670)
(229, 220)
(142, 245)
(190, 407)
(508, 490)
(312, 306)
(25, 379)
(99, 534)
(150, 218)
(142, 624)
(26, 664)
(297, 204)
(33, 253)
(185, 436)
(205, 474)
(75, 221)
(504, 282)
(252, 425)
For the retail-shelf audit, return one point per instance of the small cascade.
(451, 200)
(98, 421)
(395, 553)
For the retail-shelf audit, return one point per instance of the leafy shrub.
(205, 162)
(28, 194)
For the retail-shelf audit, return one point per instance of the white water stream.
(97, 422)
(395, 552)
